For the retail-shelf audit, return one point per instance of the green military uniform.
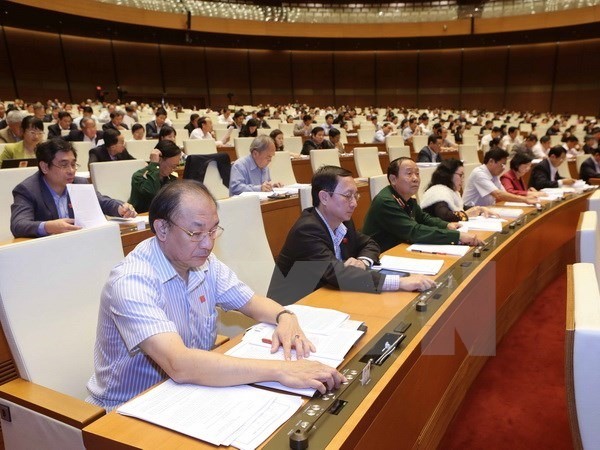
(391, 221)
(145, 184)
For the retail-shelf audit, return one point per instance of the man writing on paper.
(158, 319)
(395, 217)
(250, 173)
(41, 202)
(324, 248)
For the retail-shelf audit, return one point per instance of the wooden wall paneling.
(354, 74)
(483, 78)
(439, 78)
(313, 78)
(397, 78)
(271, 77)
(185, 75)
(530, 75)
(7, 85)
(577, 86)
(228, 73)
(38, 64)
(89, 63)
(138, 71)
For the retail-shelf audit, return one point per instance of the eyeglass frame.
(201, 235)
(66, 166)
(347, 196)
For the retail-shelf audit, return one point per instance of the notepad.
(412, 265)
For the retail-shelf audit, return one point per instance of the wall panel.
(484, 71)
(38, 64)
(354, 75)
(397, 78)
(439, 78)
(185, 75)
(228, 73)
(7, 87)
(313, 77)
(270, 75)
(89, 63)
(138, 69)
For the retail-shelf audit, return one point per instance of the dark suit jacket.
(588, 170)
(152, 130)
(110, 125)
(309, 145)
(307, 261)
(100, 154)
(33, 203)
(540, 176)
(77, 136)
(425, 156)
(54, 131)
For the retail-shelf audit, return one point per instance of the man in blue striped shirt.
(157, 315)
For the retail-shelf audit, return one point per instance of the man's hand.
(60, 226)
(266, 187)
(155, 155)
(303, 373)
(416, 283)
(470, 239)
(127, 211)
(287, 334)
(353, 262)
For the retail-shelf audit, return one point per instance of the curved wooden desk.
(419, 388)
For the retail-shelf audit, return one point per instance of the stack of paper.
(412, 265)
(513, 213)
(330, 331)
(290, 189)
(482, 224)
(454, 250)
(239, 416)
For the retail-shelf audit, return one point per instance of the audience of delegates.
(431, 152)
(442, 198)
(87, 133)
(113, 148)
(447, 145)
(13, 132)
(116, 122)
(484, 187)
(224, 118)
(545, 174)
(63, 125)
(41, 202)
(277, 136)
(147, 181)
(143, 341)
(513, 181)
(154, 126)
(511, 139)
(317, 141)
(395, 217)
(571, 145)
(324, 248)
(487, 139)
(304, 128)
(590, 168)
(249, 129)
(589, 144)
(138, 132)
(380, 135)
(204, 130)
(540, 150)
(250, 173)
(33, 134)
(410, 130)
(554, 129)
(526, 147)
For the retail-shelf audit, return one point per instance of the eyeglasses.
(35, 132)
(198, 236)
(66, 166)
(348, 196)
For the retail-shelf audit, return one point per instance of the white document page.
(454, 250)
(517, 204)
(318, 320)
(260, 195)
(513, 213)
(215, 415)
(412, 265)
(86, 207)
(482, 224)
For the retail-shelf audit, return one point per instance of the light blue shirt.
(246, 176)
(145, 296)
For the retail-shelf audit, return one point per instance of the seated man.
(395, 217)
(146, 182)
(317, 141)
(324, 248)
(41, 202)
(64, 123)
(484, 187)
(250, 173)
(431, 152)
(113, 148)
(304, 128)
(153, 127)
(590, 168)
(88, 132)
(158, 311)
(545, 174)
(385, 131)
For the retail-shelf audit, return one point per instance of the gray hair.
(261, 143)
(15, 116)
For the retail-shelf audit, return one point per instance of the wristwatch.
(285, 311)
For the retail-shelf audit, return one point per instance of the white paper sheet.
(517, 204)
(513, 213)
(412, 265)
(318, 320)
(454, 250)
(86, 207)
(483, 224)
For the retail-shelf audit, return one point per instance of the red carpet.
(518, 400)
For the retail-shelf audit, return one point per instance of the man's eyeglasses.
(197, 236)
(66, 166)
(348, 196)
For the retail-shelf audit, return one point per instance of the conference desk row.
(413, 396)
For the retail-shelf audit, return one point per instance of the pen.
(270, 342)
(430, 253)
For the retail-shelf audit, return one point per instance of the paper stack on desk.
(239, 416)
(482, 224)
(411, 265)
(330, 331)
(512, 213)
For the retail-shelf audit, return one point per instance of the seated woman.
(167, 133)
(442, 198)
(33, 134)
(277, 136)
(249, 129)
(513, 179)
(146, 182)
(317, 141)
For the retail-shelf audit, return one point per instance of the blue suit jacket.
(33, 203)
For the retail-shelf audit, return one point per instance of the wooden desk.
(422, 385)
